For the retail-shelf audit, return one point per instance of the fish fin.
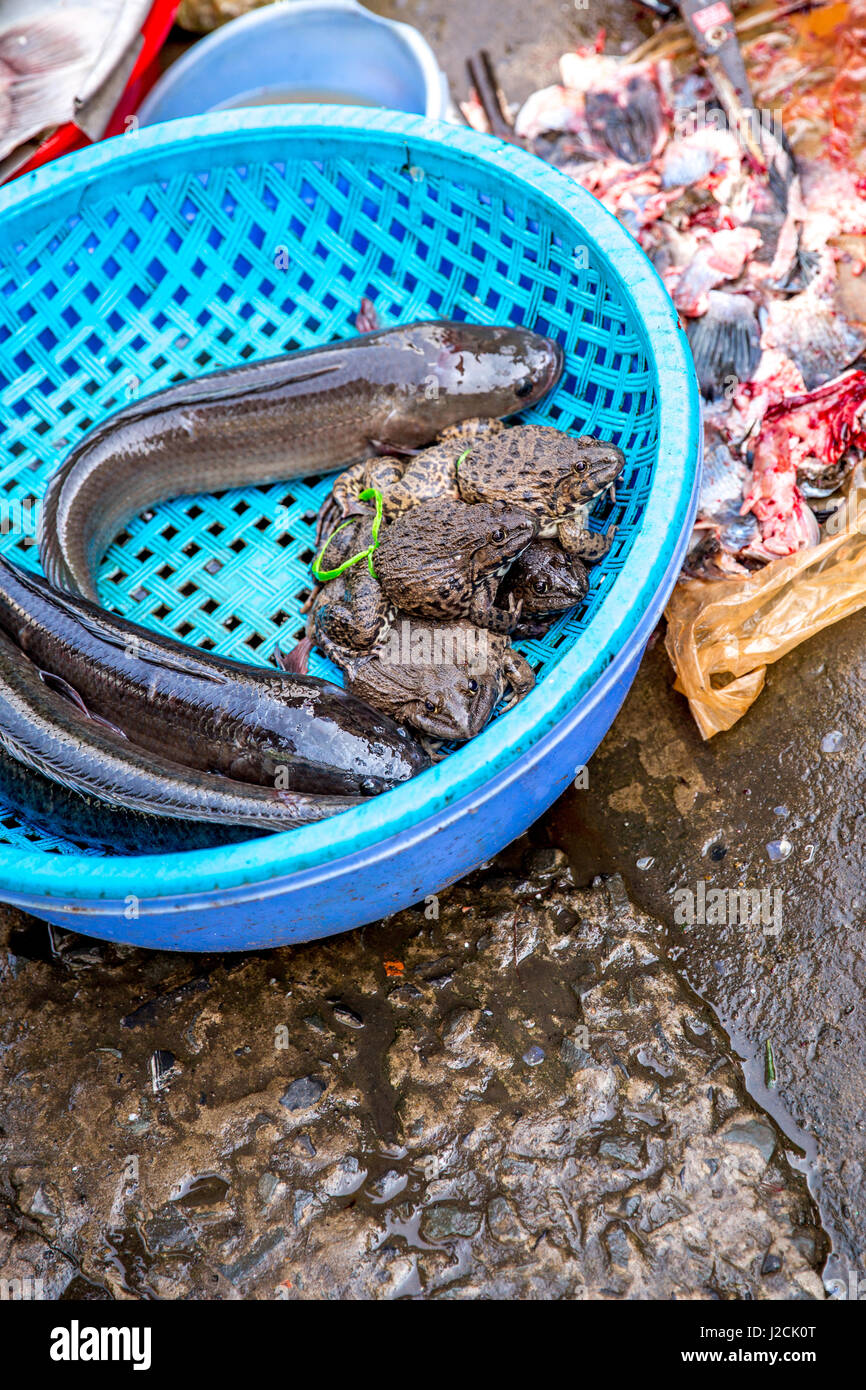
(62, 687)
(297, 660)
(382, 446)
(803, 271)
(174, 658)
(725, 342)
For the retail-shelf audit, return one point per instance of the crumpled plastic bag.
(724, 633)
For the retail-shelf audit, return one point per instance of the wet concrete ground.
(505, 1094)
(400, 1143)
(709, 812)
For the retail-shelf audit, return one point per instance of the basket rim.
(632, 604)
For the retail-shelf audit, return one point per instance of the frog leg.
(468, 430)
(582, 544)
(425, 479)
(347, 660)
(342, 500)
(432, 747)
(519, 675)
(533, 629)
(359, 619)
(308, 602)
(483, 611)
(336, 620)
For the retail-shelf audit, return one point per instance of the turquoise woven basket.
(160, 255)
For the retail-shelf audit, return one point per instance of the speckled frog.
(352, 609)
(441, 679)
(542, 582)
(440, 561)
(444, 559)
(551, 475)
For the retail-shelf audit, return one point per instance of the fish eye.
(523, 389)
(473, 686)
(499, 534)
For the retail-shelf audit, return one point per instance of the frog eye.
(473, 686)
(499, 534)
(430, 706)
(541, 586)
(581, 467)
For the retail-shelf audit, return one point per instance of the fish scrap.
(756, 221)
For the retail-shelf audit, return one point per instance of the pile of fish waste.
(756, 222)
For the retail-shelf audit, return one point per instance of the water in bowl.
(288, 96)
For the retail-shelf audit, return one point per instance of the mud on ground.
(517, 1098)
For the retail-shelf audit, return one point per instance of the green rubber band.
(377, 522)
(464, 455)
(324, 576)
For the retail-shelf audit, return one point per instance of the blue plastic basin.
(333, 49)
(210, 241)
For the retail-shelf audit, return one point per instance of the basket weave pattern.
(169, 279)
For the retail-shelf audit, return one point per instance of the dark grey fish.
(305, 412)
(47, 732)
(201, 710)
(85, 819)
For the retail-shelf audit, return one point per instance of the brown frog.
(442, 679)
(552, 475)
(444, 559)
(437, 561)
(542, 581)
(351, 609)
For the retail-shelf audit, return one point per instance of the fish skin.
(70, 815)
(204, 711)
(46, 732)
(285, 417)
(814, 335)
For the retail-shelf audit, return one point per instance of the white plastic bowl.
(307, 50)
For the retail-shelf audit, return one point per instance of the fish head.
(449, 372)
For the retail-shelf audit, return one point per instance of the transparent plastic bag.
(724, 633)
